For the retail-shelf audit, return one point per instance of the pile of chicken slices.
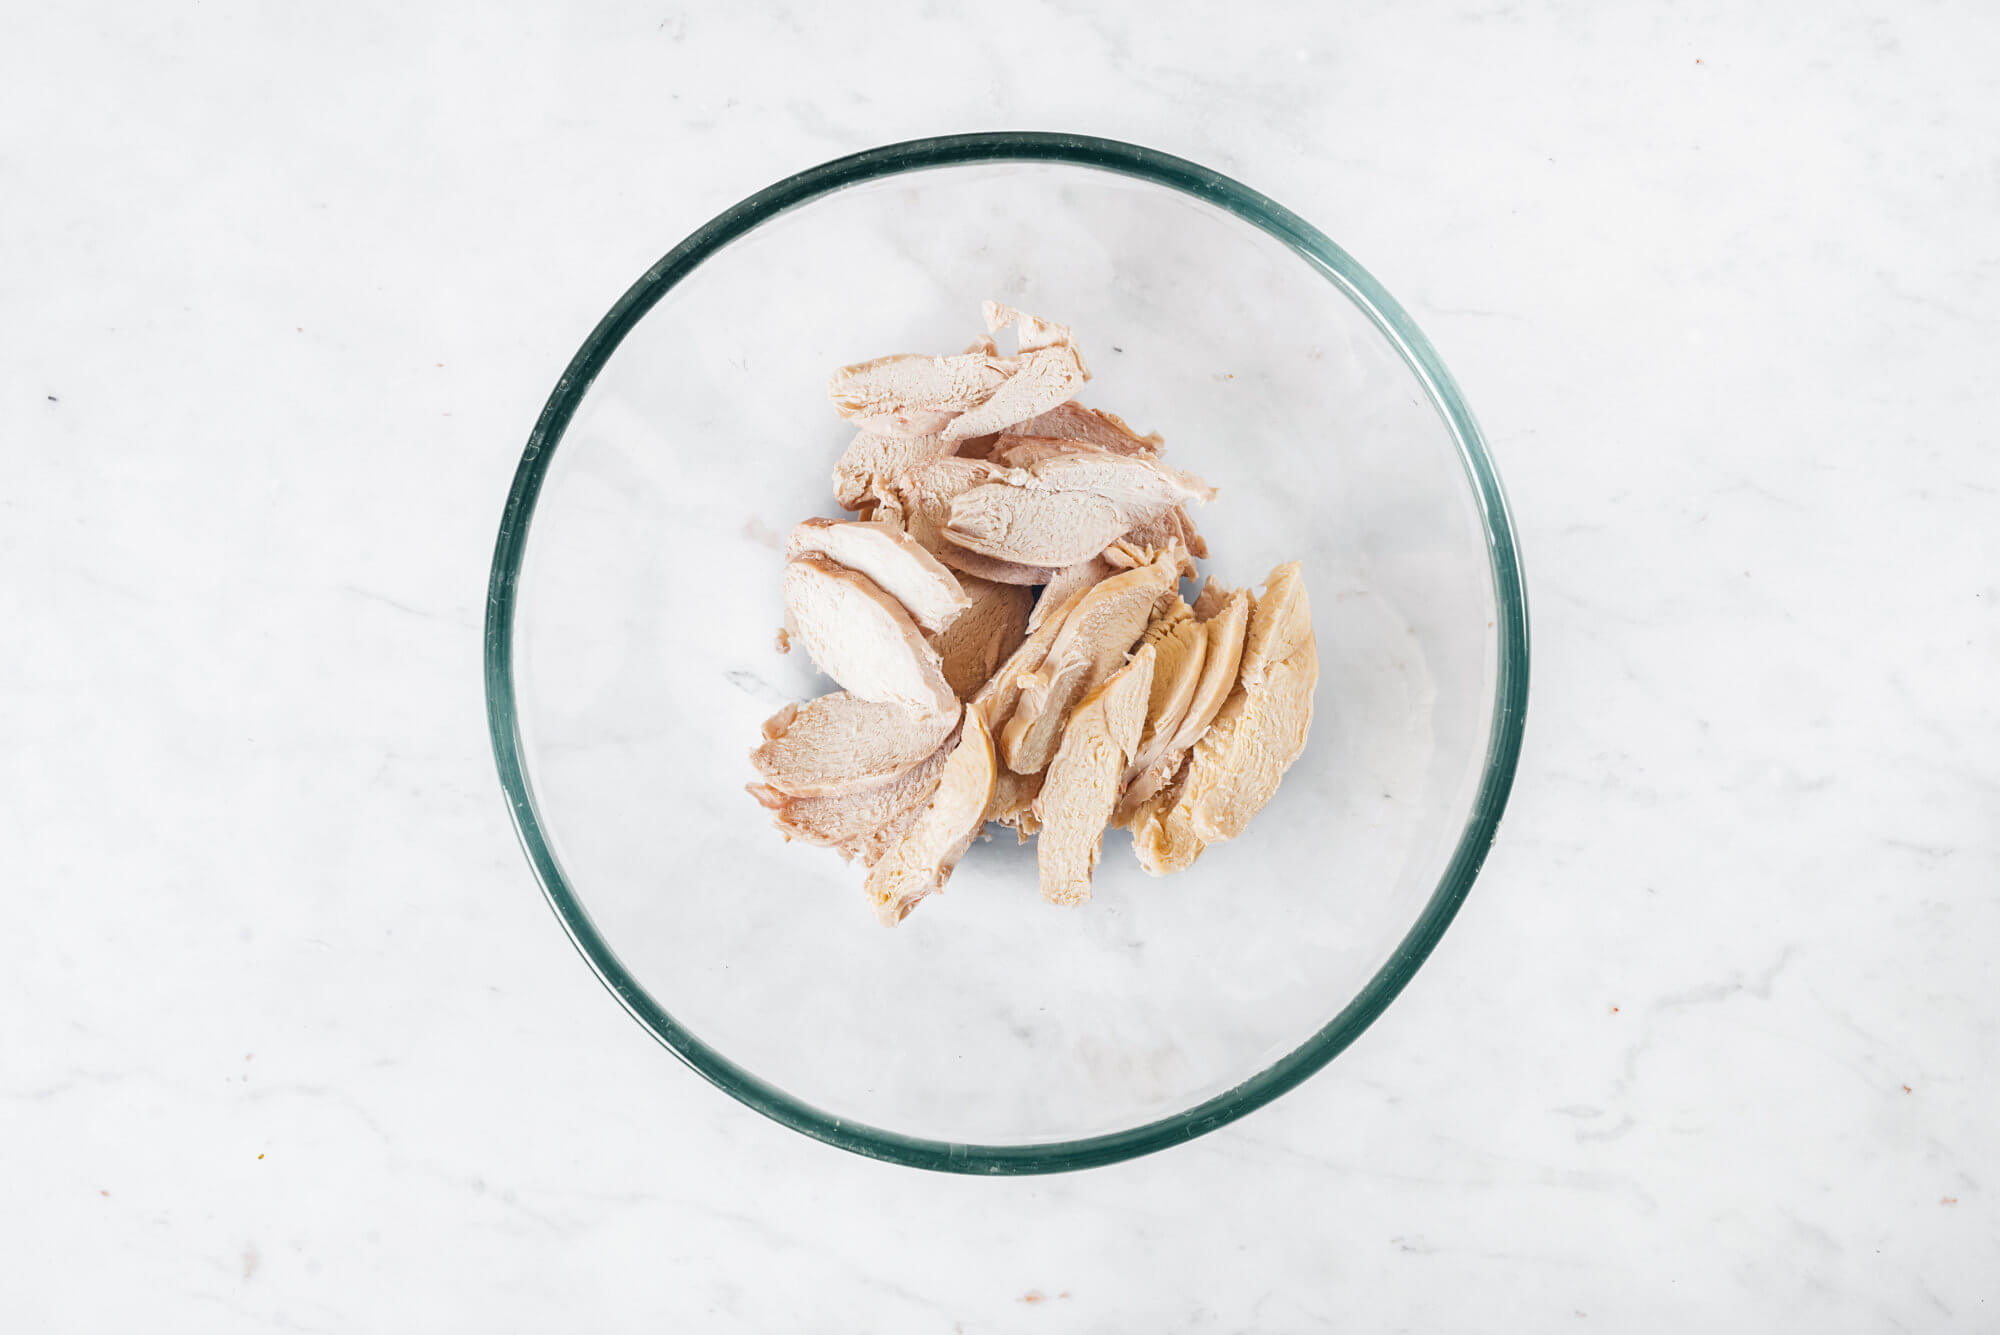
(1006, 622)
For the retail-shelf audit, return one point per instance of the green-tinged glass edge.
(1511, 688)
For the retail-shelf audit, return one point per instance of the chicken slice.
(872, 461)
(921, 500)
(1211, 599)
(997, 699)
(1280, 623)
(840, 742)
(1012, 451)
(1013, 801)
(1190, 536)
(1032, 332)
(1066, 584)
(1073, 421)
(896, 562)
(985, 634)
(862, 638)
(1134, 549)
(1221, 660)
(922, 860)
(913, 395)
(1084, 778)
(867, 849)
(1162, 838)
(1066, 507)
(848, 818)
(1096, 633)
(1237, 765)
(1261, 728)
(1042, 379)
(1147, 542)
(1222, 654)
(1181, 645)
(1156, 531)
(978, 447)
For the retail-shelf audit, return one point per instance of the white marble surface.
(289, 1041)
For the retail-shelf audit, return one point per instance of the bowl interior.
(644, 660)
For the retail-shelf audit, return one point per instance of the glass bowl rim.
(1318, 251)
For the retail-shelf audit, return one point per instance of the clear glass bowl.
(630, 657)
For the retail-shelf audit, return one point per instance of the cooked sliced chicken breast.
(1236, 766)
(1094, 637)
(1066, 584)
(1084, 778)
(1181, 644)
(897, 563)
(1033, 333)
(1073, 421)
(849, 817)
(1162, 837)
(840, 742)
(1066, 507)
(862, 638)
(872, 461)
(1013, 802)
(912, 395)
(920, 501)
(1221, 661)
(983, 636)
(923, 859)
(1042, 379)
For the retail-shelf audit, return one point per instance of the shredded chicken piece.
(996, 700)
(1261, 728)
(867, 849)
(1280, 622)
